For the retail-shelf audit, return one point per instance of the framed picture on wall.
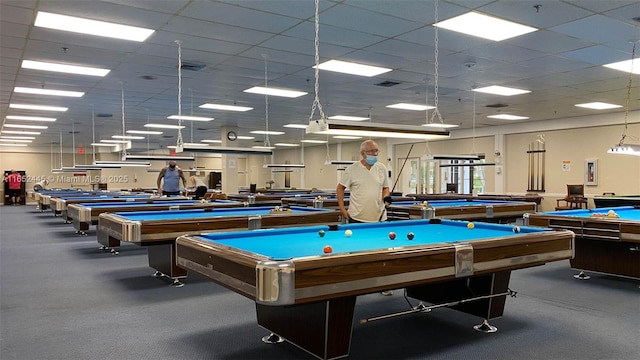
(591, 172)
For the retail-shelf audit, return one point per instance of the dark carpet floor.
(62, 298)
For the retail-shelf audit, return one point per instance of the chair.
(573, 200)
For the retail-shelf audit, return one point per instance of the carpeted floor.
(62, 298)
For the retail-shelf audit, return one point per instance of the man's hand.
(388, 200)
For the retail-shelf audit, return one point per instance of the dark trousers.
(170, 193)
(200, 192)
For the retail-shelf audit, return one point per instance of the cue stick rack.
(536, 154)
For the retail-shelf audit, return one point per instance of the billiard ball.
(392, 235)
(470, 226)
(327, 249)
(204, 201)
(516, 229)
(410, 236)
(348, 233)
(321, 233)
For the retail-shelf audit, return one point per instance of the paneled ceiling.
(561, 63)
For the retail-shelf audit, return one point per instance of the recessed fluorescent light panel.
(484, 26)
(246, 137)
(18, 137)
(115, 141)
(17, 126)
(164, 126)
(263, 147)
(144, 132)
(36, 91)
(414, 107)
(103, 144)
(347, 137)
(275, 92)
(309, 141)
(3, 144)
(21, 132)
(508, 117)
(501, 90)
(29, 118)
(348, 118)
(598, 106)
(352, 68)
(225, 107)
(286, 144)
(440, 125)
(296, 126)
(91, 27)
(211, 141)
(17, 141)
(37, 107)
(191, 118)
(64, 68)
(127, 137)
(265, 132)
(628, 66)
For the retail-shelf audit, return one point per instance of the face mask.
(371, 159)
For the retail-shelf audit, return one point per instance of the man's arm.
(386, 195)
(184, 180)
(160, 176)
(340, 194)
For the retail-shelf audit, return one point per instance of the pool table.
(157, 230)
(608, 245)
(59, 204)
(463, 209)
(271, 199)
(613, 201)
(454, 196)
(328, 201)
(83, 215)
(308, 296)
(49, 200)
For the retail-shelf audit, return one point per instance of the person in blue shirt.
(169, 178)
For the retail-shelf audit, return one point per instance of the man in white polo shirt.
(368, 186)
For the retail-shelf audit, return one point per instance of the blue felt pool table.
(604, 244)
(59, 204)
(330, 201)
(308, 296)
(462, 209)
(83, 215)
(157, 230)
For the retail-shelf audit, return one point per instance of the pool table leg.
(108, 242)
(465, 288)
(323, 328)
(162, 258)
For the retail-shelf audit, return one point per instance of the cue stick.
(542, 173)
(398, 178)
(422, 308)
(530, 166)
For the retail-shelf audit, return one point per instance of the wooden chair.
(574, 199)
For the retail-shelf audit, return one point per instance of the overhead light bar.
(451, 157)
(3, 144)
(103, 144)
(265, 132)
(333, 127)
(38, 107)
(190, 118)
(346, 137)
(347, 118)
(20, 126)
(21, 132)
(18, 137)
(144, 132)
(440, 125)
(68, 169)
(263, 147)
(164, 126)
(484, 26)
(226, 150)
(38, 91)
(286, 144)
(64, 68)
(29, 118)
(225, 107)
(91, 27)
(311, 141)
(160, 157)
(275, 92)
(352, 68)
(340, 162)
(283, 166)
(212, 141)
(106, 163)
(16, 140)
(240, 137)
(127, 137)
(625, 149)
(296, 126)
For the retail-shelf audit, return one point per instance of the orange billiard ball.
(392, 235)
(470, 226)
(327, 249)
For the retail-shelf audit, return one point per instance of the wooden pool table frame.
(310, 301)
(498, 212)
(159, 236)
(603, 245)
